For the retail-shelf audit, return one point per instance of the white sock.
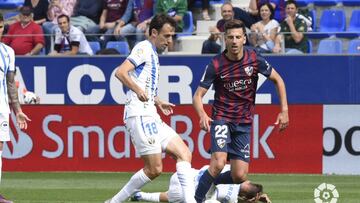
(150, 197)
(0, 165)
(186, 180)
(138, 180)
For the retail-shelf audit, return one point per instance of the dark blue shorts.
(231, 138)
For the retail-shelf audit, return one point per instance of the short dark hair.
(1, 17)
(159, 20)
(291, 2)
(271, 8)
(233, 24)
(64, 16)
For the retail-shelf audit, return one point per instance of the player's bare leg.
(151, 170)
(2, 198)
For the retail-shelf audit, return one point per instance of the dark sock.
(224, 178)
(203, 187)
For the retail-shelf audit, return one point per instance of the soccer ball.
(212, 201)
(29, 98)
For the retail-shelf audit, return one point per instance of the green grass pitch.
(81, 187)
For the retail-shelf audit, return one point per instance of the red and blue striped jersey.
(235, 84)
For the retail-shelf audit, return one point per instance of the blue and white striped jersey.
(7, 63)
(146, 76)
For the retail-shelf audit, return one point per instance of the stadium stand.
(121, 46)
(330, 18)
(330, 46)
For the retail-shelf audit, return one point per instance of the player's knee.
(153, 172)
(217, 167)
(239, 176)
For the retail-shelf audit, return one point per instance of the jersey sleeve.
(208, 77)
(11, 60)
(75, 36)
(138, 55)
(264, 67)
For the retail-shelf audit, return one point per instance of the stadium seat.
(313, 33)
(354, 26)
(331, 22)
(354, 46)
(310, 46)
(11, 14)
(198, 3)
(11, 4)
(42, 52)
(304, 3)
(330, 46)
(351, 2)
(313, 19)
(95, 46)
(121, 46)
(188, 28)
(326, 2)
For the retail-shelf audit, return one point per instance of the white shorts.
(4, 127)
(175, 193)
(149, 135)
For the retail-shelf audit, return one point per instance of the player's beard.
(160, 50)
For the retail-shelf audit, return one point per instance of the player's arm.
(283, 117)
(122, 73)
(205, 120)
(21, 118)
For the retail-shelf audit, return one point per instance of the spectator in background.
(263, 33)
(86, 14)
(142, 14)
(292, 29)
(39, 8)
(25, 37)
(56, 8)
(210, 46)
(176, 10)
(115, 15)
(251, 15)
(69, 40)
(205, 8)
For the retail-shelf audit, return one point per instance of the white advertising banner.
(341, 139)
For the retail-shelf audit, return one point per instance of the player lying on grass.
(230, 193)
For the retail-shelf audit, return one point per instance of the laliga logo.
(21, 145)
(326, 193)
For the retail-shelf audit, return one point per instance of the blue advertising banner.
(90, 80)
